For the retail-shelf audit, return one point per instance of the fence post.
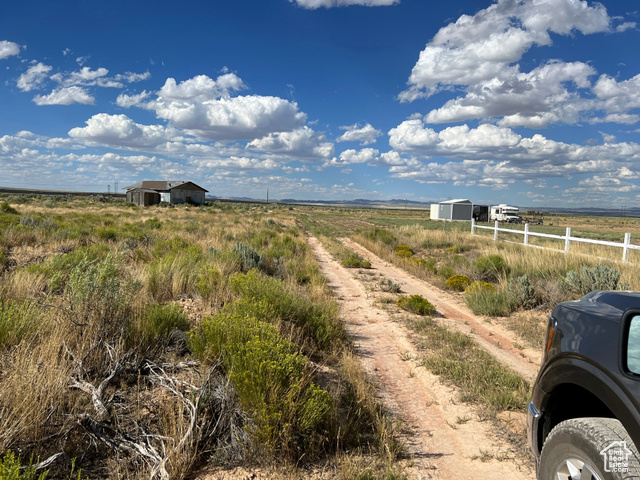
(625, 250)
(495, 231)
(567, 240)
(526, 233)
(473, 226)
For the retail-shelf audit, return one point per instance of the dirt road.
(447, 439)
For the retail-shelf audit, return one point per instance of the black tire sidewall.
(563, 451)
(583, 439)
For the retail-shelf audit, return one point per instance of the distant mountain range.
(364, 203)
(410, 204)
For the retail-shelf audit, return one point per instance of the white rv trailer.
(505, 213)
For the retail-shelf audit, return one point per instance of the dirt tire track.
(441, 446)
(490, 335)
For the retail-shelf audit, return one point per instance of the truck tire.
(573, 451)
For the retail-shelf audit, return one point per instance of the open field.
(175, 342)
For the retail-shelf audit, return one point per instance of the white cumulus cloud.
(366, 135)
(479, 48)
(302, 142)
(65, 96)
(8, 49)
(120, 130)
(314, 4)
(33, 77)
(204, 107)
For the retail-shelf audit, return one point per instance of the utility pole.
(267, 195)
(109, 189)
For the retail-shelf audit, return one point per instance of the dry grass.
(92, 270)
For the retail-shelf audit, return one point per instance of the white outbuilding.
(457, 209)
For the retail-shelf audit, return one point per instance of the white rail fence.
(568, 239)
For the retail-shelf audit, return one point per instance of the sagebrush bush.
(598, 277)
(404, 251)
(58, 268)
(491, 267)
(100, 292)
(388, 285)
(416, 304)
(355, 261)
(523, 292)
(249, 257)
(458, 282)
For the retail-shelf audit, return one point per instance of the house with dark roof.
(152, 192)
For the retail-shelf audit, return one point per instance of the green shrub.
(271, 378)
(107, 233)
(100, 290)
(11, 469)
(458, 249)
(458, 282)
(152, 223)
(159, 321)
(17, 321)
(175, 246)
(388, 285)
(416, 304)
(599, 277)
(249, 257)
(523, 292)
(59, 267)
(6, 208)
(431, 243)
(208, 279)
(491, 267)
(404, 251)
(268, 299)
(355, 261)
(428, 264)
(382, 235)
(446, 271)
(480, 286)
(484, 301)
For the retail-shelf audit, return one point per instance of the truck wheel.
(589, 448)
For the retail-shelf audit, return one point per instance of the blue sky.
(528, 102)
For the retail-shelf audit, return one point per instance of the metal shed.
(458, 209)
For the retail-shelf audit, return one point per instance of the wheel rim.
(576, 469)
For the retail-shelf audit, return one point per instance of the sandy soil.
(447, 439)
(487, 332)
